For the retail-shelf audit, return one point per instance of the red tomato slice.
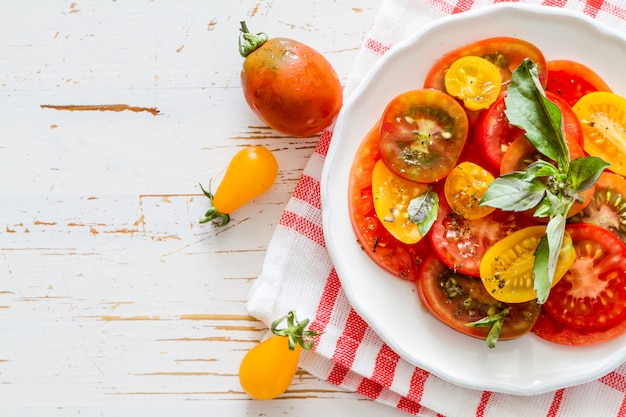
(493, 134)
(549, 329)
(592, 294)
(504, 52)
(461, 243)
(422, 134)
(607, 208)
(457, 299)
(571, 80)
(521, 153)
(401, 260)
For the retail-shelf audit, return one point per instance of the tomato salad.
(507, 223)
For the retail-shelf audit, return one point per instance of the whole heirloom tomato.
(288, 85)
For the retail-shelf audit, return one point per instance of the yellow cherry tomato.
(464, 187)
(474, 80)
(602, 116)
(250, 173)
(392, 195)
(267, 370)
(506, 269)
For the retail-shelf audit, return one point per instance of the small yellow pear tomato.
(267, 370)
(250, 173)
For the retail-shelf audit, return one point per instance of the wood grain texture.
(114, 301)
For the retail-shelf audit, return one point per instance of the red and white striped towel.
(298, 272)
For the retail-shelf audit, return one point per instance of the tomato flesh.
(506, 269)
(603, 119)
(464, 187)
(592, 293)
(422, 134)
(571, 80)
(457, 299)
(551, 330)
(493, 134)
(400, 260)
(423, 138)
(475, 81)
(506, 53)
(521, 153)
(607, 208)
(461, 243)
(392, 195)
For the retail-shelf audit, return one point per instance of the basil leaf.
(541, 168)
(553, 204)
(585, 171)
(544, 208)
(547, 256)
(511, 192)
(528, 108)
(495, 322)
(423, 210)
(540, 270)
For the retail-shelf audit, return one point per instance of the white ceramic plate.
(528, 365)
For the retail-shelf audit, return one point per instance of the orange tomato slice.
(602, 116)
(464, 187)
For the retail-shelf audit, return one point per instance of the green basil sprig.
(549, 188)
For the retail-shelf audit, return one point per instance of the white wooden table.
(114, 301)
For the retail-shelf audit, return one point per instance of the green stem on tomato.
(213, 214)
(295, 331)
(250, 42)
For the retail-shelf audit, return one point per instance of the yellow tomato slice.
(464, 187)
(474, 80)
(392, 195)
(602, 116)
(507, 267)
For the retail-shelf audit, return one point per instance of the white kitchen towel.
(298, 272)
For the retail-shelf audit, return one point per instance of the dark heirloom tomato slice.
(422, 134)
(461, 243)
(607, 208)
(399, 259)
(571, 80)
(457, 299)
(592, 294)
(504, 52)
